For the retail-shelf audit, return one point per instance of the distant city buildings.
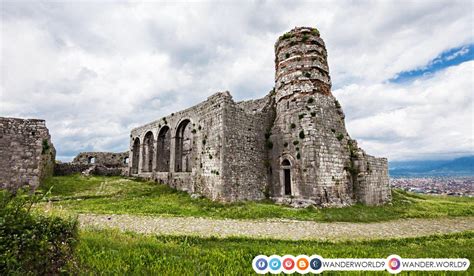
(445, 185)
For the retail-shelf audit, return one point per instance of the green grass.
(110, 251)
(115, 195)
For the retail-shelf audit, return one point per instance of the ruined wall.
(61, 169)
(201, 143)
(246, 163)
(372, 186)
(27, 155)
(108, 159)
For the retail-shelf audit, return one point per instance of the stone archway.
(286, 177)
(183, 149)
(148, 152)
(135, 155)
(163, 150)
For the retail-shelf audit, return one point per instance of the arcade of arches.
(144, 153)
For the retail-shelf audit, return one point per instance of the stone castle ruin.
(95, 163)
(26, 153)
(291, 146)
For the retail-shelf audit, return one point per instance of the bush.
(340, 136)
(269, 144)
(45, 146)
(302, 134)
(33, 244)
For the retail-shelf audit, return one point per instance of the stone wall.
(108, 159)
(246, 164)
(61, 169)
(373, 186)
(191, 138)
(27, 154)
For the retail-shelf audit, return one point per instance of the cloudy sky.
(402, 70)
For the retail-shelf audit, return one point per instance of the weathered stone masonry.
(108, 159)
(95, 163)
(27, 155)
(291, 145)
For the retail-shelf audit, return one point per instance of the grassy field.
(128, 253)
(115, 195)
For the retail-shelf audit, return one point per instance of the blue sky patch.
(447, 58)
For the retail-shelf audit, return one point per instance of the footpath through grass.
(116, 195)
(114, 252)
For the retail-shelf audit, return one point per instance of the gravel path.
(278, 229)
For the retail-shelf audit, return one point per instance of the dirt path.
(278, 229)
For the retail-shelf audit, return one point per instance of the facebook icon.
(261, 264)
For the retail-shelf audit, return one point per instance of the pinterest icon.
(288, 263)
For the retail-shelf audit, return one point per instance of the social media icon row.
(287, 264)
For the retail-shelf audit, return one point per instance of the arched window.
(183, 147)
(286, 176)
(91, 160)
(148, 152)
(163, 150)
(125, 160)
(135, 155)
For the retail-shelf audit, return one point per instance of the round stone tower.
(311, 153)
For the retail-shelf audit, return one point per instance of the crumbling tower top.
(301, 64)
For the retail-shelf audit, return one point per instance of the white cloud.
(429, 118)
(95, 70)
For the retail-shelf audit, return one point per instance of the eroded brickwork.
(27, 154)
(291, 146)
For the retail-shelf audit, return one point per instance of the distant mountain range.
(463, 166)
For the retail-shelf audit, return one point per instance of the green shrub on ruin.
(45, 145)
(302, 134)
(269, 144)
(340, 136)
(315, 32)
